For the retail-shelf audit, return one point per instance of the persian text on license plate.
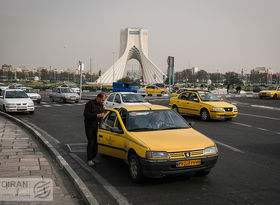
(188, 163)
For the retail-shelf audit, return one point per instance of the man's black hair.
(101, 95)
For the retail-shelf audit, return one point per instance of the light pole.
(81, 78)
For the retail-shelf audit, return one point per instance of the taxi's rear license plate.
(188, 163)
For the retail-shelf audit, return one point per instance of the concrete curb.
(79, 184)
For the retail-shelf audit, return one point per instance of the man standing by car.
(93, 113)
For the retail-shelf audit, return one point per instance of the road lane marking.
(57, 105)
(262, 129)
(47, 105)
(265, 107)
(111, 189)
(260, 116)
(237, 123)
(229, 147)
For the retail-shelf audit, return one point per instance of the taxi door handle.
(100, 136)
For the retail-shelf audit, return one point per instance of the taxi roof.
(142, 107)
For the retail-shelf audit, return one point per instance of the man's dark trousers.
(91, 134)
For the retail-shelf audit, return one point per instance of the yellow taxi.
(270, 92)
(153, 89)
(178, 92)
(204, 104)
(155, 141)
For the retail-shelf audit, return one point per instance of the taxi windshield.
(208, 97)
(270, 88)
(29, 90)
(16, 94)
(151, 120)
(133, 98)
(66, 90)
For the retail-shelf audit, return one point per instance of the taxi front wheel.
(204, 114)
(135, 168)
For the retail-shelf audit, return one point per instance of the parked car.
(204, 104)
(172, 148)
(15, 85)
(64, 95)
(153, 89)
(3, 86)
(257, 89)
(270, 92)
(179, 91)
(16, 100)
(124, 98)
(32, 94)
(128, 87)
(73, 87)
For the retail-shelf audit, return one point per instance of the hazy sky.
(211, 34)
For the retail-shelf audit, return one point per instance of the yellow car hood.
(267, 91)
(219, 104)
(174, 140)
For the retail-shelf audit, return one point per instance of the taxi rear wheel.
(162, 93)
(275, 97)
(204, 114)
(135, 168)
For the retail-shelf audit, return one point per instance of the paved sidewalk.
(21, 156)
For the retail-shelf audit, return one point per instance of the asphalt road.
(247, 172)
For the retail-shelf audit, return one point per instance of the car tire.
(274, 97)
(63, 100)
(51, 98)
(175, 108)
(162, 93)
(204, 114)
(4, 109)
(135, 168)
(202, 173)
(38, 102)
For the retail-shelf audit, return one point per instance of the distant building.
(262, 70)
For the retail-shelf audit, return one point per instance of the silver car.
(124, 98)
(64, 95)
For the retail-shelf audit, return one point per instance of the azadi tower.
(133, 45)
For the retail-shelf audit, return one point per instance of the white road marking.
(262, 129)
(57, 105)
(47, 105)
(111, 189)
(260, 116)
(237, 123)
(266, 107)
(229, 147)
(44, 102)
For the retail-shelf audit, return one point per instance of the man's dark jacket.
(92, 108)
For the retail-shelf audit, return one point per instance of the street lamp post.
(113, 67)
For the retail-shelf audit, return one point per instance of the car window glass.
(109, 121)
(132, 98)
(110, 98)
(123, 114)
(184, 96)
(118, 124)
(192, 96)
(117, 99)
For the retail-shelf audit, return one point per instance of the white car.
(3, 86)
(16, 100)
(72, 87)
(124, 98)
(32, 94)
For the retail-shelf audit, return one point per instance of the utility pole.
(81, 78)
(90, 64)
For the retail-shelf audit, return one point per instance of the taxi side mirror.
(117, 130)
(195, 100)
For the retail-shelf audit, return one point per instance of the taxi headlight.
(31, 104)
(39, 96)
(156, 155)
(218, 108)
(11, 105)
(67, 97)
(210, 150)
(269, 93)
(235, 109)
